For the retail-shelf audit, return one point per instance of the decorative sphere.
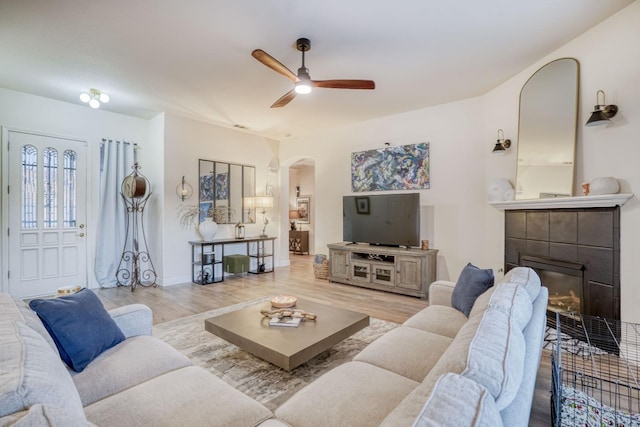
(604, 185)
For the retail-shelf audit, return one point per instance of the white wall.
(34, 113)
(455, 147)
(186, 141)
(609, 60)
(462, 135)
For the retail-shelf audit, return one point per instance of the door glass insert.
(50, 187)
(69, 183)
(29, 188)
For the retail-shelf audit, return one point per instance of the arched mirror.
(547, 131)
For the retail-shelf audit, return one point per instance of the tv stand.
(407, 271)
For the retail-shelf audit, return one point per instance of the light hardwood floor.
(173, 302)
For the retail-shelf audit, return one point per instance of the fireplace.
(565, 281)
(576, 252)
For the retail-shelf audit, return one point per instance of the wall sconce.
(502, 144)
(602, 113)
(94, 98)
(184, 190)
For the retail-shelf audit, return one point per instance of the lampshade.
(597, 118)
(498, 147)
(293, 214)
(264, 202)
(249, 202)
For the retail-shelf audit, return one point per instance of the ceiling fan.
(302, 81)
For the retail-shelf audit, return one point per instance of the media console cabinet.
(400, 270)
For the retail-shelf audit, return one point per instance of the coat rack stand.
(135, 267)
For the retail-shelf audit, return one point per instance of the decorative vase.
(208, 229)
(500, 189)
(604, 185)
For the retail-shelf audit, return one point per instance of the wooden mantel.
(599, 201)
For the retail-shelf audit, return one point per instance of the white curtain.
(116, 160)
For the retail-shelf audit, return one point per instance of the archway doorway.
(301, 207)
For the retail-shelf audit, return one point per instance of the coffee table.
(287, 347)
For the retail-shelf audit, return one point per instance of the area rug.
(255, 377)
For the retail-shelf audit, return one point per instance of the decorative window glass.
(29, 188)
(50, 187)
(70, 176)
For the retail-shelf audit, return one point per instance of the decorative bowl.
(284, 301)
(68, 290)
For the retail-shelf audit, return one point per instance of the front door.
(47, 213)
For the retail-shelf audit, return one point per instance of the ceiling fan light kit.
(302, 81)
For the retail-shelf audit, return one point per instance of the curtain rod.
(135, 144)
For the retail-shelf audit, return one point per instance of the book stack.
(291, 322)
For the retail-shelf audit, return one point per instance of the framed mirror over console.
(547, 131)
(226, 189)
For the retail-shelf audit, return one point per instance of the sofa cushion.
(133, 361)
(406, 351)
(525, 277)
(514, 301)
(31, 373)
(454, 359)
(12, 308)
(188, 396)
(439, 319)
(496, 356)
(473, 281)
(453, 394)
(353, 394)
(482, 303)
(79, 325)
(43, 416)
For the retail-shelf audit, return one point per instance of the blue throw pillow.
(79, 325)
(472, 283)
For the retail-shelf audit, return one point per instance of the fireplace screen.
(565, 281)
(565, 291)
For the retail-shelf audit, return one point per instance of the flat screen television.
(387, 219)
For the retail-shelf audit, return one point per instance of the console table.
(207, 257)
(404, 271)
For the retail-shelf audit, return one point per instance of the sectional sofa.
(438, 368)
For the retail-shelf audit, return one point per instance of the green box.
(236, 264)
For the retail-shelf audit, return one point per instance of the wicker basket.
(321, 270)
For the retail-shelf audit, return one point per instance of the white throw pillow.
(31, 373)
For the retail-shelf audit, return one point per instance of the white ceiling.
(193, 57)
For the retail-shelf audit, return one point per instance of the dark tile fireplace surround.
(583, 242)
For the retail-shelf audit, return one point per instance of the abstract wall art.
(222, 186)
(392, 168)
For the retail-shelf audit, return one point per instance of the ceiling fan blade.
(345, 84)
(285, 99)
(274, 64)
